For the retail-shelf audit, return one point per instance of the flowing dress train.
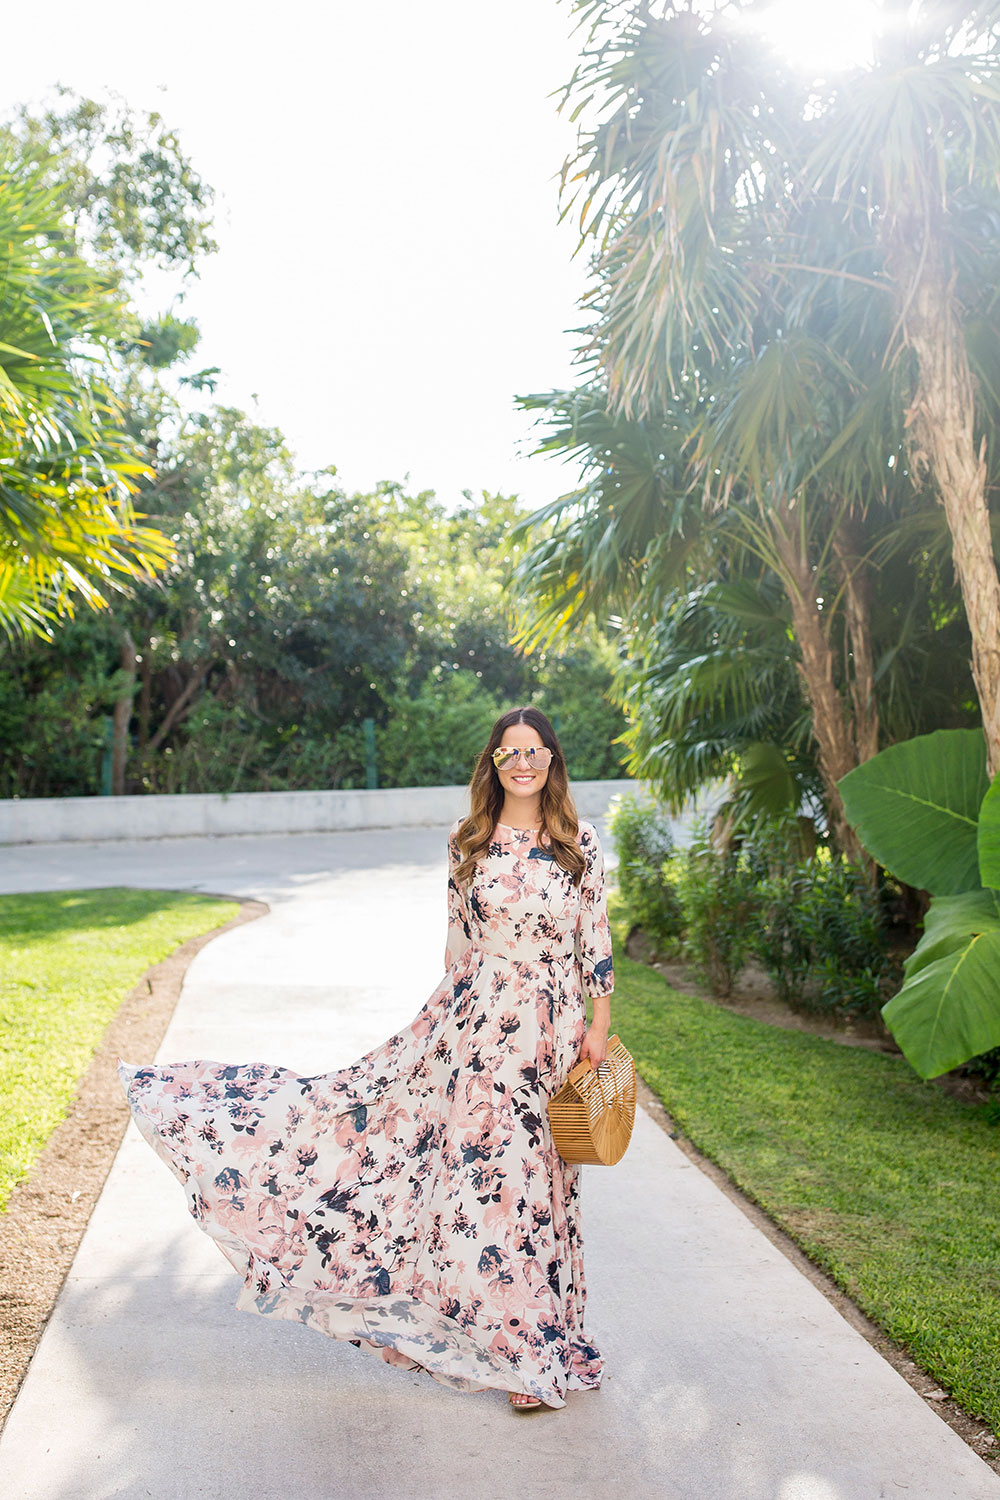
(413, 1203)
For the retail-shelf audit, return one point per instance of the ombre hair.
(559, 821)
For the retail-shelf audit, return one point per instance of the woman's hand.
(595, 1045)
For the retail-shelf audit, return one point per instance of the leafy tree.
(291, 612)
(288, 600)
(128, 190)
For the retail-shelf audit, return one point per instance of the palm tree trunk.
(942, 419)
(816, 667)
(857, 616)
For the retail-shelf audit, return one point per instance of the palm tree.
(711, 663)
(914, 144)
(744, 301)
(712, 695)
(68, 470)
(810, 262)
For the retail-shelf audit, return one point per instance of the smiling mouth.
(524, 778)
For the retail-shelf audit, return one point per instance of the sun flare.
(821, 35)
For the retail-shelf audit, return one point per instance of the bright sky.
(391, 269)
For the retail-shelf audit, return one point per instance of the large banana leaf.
(916, 807)
(950, 923)
(989, 837)
(949, 1007)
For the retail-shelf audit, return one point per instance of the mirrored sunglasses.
(537, 757)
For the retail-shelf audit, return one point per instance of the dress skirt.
(414, 1203)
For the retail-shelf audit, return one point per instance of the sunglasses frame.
(517, 754)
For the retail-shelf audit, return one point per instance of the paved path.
(729, 1376)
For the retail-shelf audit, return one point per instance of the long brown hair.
(559, 825)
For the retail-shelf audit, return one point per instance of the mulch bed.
(48, 1212)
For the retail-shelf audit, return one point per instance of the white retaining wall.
(55, 820)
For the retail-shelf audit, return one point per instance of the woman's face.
(521, 781)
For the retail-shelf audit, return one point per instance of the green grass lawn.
(67, 960)
(887, 1183)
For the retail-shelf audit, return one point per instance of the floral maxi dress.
(413, 1203)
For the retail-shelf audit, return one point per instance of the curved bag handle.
(583, 1068)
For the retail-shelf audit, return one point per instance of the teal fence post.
(371, 768)
(109, 735)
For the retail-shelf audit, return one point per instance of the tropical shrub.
(819, 932)
(813, 919)
(56, 702)
(716, 888)
(645, 843)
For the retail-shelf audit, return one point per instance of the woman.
(414, 1203)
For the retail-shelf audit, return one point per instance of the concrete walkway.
(729, 1376)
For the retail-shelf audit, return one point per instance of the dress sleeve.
(594, 930)
(459, 932)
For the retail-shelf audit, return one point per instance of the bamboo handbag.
(593, 1113)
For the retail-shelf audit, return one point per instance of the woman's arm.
(594, 947)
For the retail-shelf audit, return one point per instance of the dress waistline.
(568, 955)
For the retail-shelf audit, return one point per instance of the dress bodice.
(521, 904)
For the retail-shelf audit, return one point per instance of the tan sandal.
(521, 1401)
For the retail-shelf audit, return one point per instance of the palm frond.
(68, 467)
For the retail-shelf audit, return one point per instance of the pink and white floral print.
(413, 1203)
